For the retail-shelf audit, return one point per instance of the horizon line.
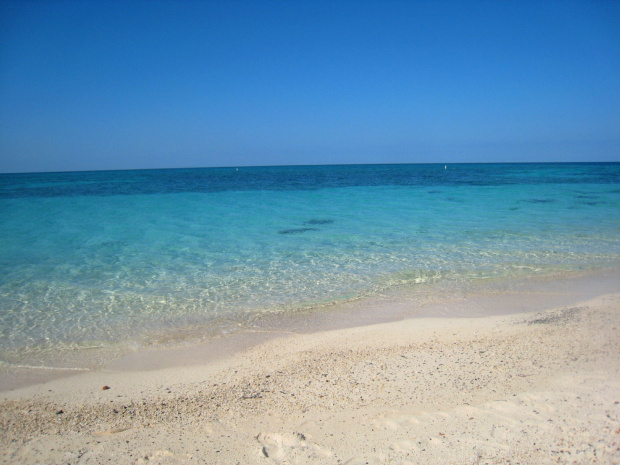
(311, 164)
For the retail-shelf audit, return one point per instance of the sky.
(92, 85)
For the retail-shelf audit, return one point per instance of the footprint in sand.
(289, 448)
(395, 420)
(404, 446)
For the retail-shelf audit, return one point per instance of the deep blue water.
(93, 259)
(286, 178)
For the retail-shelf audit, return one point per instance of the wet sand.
(541, 386)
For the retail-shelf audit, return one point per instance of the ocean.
(94, 264)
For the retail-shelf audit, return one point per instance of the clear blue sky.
(150, 84)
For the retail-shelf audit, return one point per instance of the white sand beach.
(529, 388)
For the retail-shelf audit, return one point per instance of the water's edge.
(479, 298)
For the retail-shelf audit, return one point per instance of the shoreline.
(477, 298)
(537, 386)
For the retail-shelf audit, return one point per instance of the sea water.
(100, 260)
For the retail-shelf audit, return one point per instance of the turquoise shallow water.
(100, 259)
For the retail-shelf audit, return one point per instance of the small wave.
(4, 364)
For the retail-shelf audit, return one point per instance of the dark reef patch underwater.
(297, 230)
(303, 230)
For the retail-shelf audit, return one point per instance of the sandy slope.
(533, 388)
